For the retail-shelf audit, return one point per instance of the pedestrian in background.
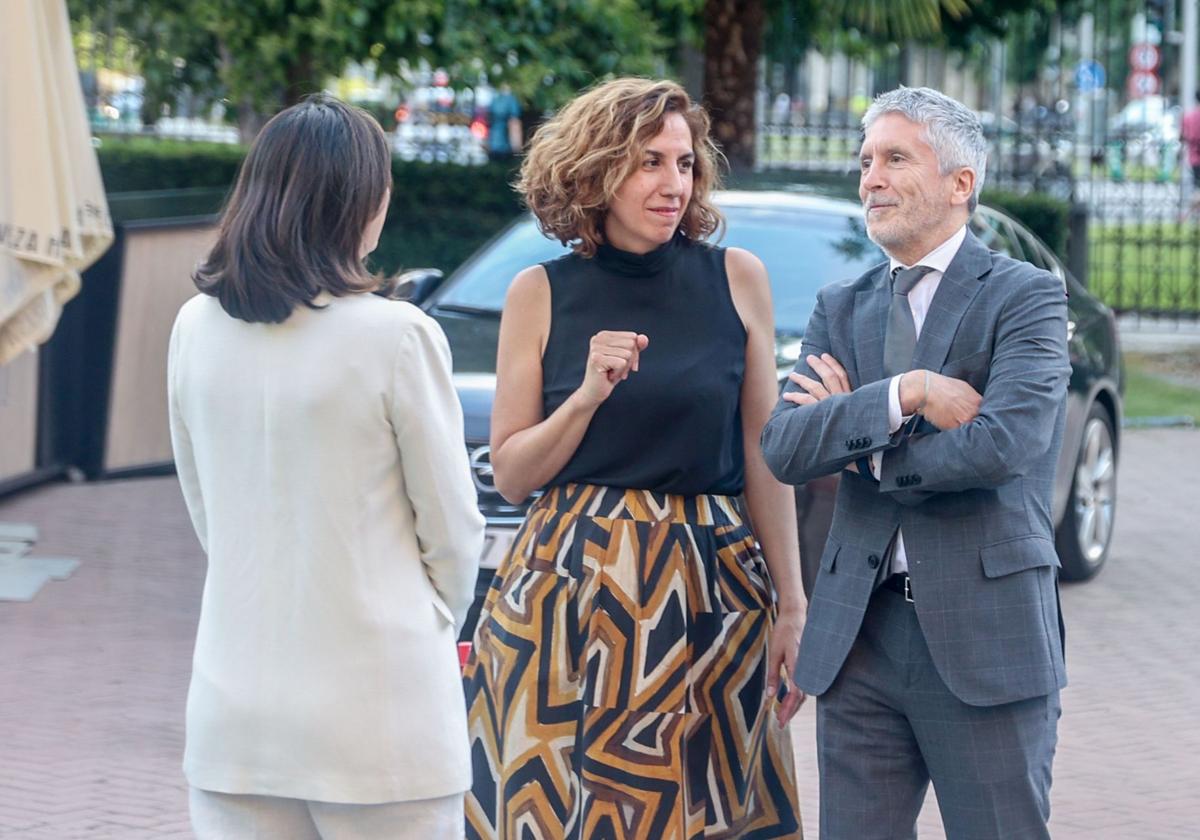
(504, 125)
(319, 445)
(627, 657)
(1189, 133)
(935, 385)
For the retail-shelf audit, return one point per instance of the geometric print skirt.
(617, 683)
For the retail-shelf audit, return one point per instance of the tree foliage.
(547, 51)
(269, 53)
(263, 54)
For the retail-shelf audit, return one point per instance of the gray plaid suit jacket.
(974, 502)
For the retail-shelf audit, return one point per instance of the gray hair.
(951, 129)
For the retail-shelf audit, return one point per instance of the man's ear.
(964, 186)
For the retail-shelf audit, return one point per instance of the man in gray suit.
(935, 384)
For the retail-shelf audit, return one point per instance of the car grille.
(492, 505)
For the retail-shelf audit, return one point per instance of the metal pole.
(1187, 83)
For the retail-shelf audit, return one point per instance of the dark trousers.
(888, 726)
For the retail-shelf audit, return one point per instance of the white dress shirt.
(919, 299)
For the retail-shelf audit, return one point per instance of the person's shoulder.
(1014, 273)
(570, 261)
(851, 286)
(529, 288)
(741, 261)
(198, 304)
(747, 275)
(1015, 284)
(383, 320)
(197, 308)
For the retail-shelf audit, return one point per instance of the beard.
(904, 226)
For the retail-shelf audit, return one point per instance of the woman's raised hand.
(611, 358)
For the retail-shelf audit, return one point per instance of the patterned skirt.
(617, 684)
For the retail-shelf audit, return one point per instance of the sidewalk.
(1157, 335)
(91, 709)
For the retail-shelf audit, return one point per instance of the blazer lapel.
(870, 326)
(957, 289)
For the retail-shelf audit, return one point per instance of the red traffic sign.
(1144, 57)
(1142, 83)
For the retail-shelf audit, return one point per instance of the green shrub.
(440, 213)
(1045, 215)
(139, 164)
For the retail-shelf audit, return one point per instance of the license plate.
(496, 542)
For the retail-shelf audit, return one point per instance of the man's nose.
(871, 177)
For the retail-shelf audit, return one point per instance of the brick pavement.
(91, 706)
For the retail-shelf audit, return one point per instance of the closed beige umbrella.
(54, 218)
(54, 223)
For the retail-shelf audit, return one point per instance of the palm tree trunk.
(733, 31)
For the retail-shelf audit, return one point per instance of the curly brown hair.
(579, 158)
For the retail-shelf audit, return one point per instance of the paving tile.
(92, 732)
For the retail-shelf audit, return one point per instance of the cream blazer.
(323, 464)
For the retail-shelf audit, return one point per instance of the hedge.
(141, 163)
(439, 215)
(1045, 215)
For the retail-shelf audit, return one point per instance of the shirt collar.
(939, 258)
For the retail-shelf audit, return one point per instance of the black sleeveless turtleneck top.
(675, 426)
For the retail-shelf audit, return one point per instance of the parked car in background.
(806, 241)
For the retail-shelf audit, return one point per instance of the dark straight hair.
(293, 226)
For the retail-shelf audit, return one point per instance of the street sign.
(1089, 76)
(1142, 83)
(1144, 57)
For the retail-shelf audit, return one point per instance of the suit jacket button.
(916, 479)
(850, 444)
(873, 561)
(866, 441)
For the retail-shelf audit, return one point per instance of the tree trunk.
(733, 32)
(250, 117)
(250, 120)
(301, 79)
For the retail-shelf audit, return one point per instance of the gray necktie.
(901, 338)
(898, 346)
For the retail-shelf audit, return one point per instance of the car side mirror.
(414, 285)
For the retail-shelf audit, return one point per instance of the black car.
(805, 241)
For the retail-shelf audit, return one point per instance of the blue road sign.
(1089, 76)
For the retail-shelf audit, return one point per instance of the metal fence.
(1095, 122)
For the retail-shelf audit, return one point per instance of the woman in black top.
(628, 656)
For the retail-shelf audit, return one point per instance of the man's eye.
(865, 163)
(685, 165)
(896, 158)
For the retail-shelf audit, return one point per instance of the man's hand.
(944, 401)
(833, 381)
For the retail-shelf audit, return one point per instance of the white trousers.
(228, 816)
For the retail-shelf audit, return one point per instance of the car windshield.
(803, 249)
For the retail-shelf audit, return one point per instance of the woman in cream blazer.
(319, 444)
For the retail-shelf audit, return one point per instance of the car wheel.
(1085, 533)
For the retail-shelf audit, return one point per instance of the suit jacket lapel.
(870, 326)
(957, 289)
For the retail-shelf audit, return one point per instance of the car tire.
(1085, 533)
